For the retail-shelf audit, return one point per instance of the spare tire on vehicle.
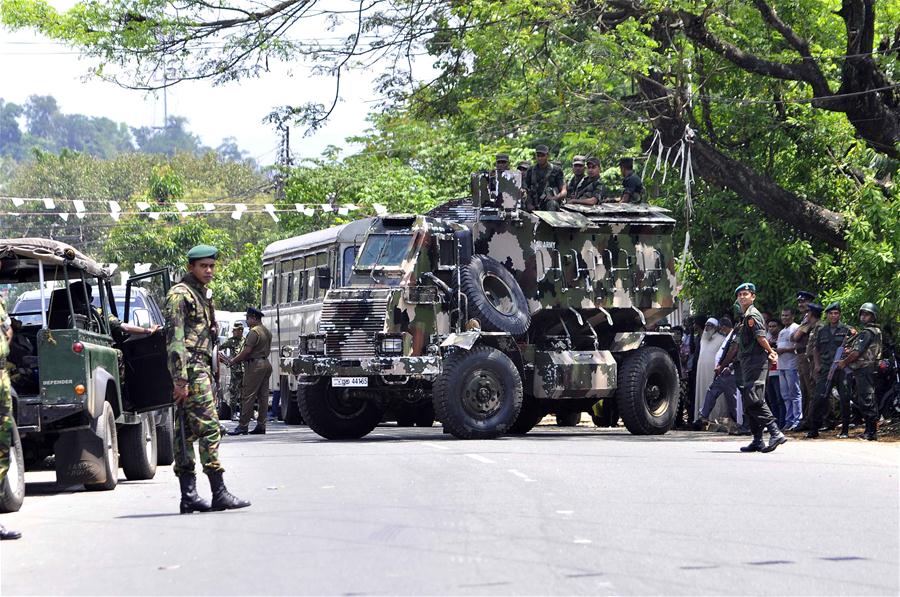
(495, 298)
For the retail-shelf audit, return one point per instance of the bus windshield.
(384, 250)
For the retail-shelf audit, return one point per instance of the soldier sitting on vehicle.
(589, 190)
(544, 183)
(117, 328)
(632, 186)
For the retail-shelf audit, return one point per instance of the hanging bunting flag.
(326, 208)
(115, 210)
(209, 207)
(143, 205)
(300, 207)
(64, 216)
(17, 201)
(309, 211)
(239, 209)
(380, 209)
(270, 209)
(79, 208)
(343, 211)
(49, 204)
(154, 215)
(181, 206)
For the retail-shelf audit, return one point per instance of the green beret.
(835, 306)
(202, 252)
(746, 286)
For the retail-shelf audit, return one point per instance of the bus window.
(321, 262)
(268, 289)
(347, 265)
(311, 277)
(284, 291)
(298, 279)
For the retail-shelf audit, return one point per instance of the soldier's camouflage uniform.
(6, 410)
(867, 344)
(236, 380)
(190, 339)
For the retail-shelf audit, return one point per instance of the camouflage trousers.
(235, 389)
(6, 423)
(196, 421)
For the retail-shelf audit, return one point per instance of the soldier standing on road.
(632, 185)
(754, 356)
(257, 371)
(544, 182)
(590, 190)
(800, 338)
(828, 338)
(190, 337)
(6, 408)
(233, 346)
(865, 350)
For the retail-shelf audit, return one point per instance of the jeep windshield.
(384, 250)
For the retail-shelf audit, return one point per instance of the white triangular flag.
(79, 205)
(271, 210)
(154, 215)
(115, 215)
(239, 209)
(209, 207)
(48, 203)
(380, 209)
(309, 211)
(17, 201)
(180, 206)
(143, 205)
(326, 208)
(300, 207)
(64, 216)
(114, 207)
(343, 211)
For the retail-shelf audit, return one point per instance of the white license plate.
(350, 382)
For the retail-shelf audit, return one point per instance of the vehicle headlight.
(315, 345)
(286, 351)
(391, 345)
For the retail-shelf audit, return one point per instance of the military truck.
(498, 315)
(78, 394)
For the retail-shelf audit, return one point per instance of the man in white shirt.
(723, 385)
(788, 376)
(710, 342)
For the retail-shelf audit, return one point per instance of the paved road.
(412, 511)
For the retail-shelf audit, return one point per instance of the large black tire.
(337, 413)
(165, 440)
(530, 415)
(12, 490)
(568, 419)
(479, 393)
(104, 428)
(138, 449)
(290, 409)
(494, 296)
(647, 395)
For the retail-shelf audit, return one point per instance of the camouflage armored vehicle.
(498, 316)
(80, 394)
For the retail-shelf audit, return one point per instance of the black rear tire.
(104, 430)
(647, 395)
(494, 296)
(138, 449)
(568, 419)
(12, 490)
(479, 393)
(336, 413)
(530, 415)
(165, 440)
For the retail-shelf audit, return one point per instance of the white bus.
(296, 274)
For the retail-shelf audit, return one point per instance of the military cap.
(523, 165)
(746, 286)
(835, 306)
(627, 162)
(578, 159)
(203, 252)
(805, 294)
(815, 308)
(238, 325)
(593, 161)
(254, 312)
(502, 157)
(541, 149)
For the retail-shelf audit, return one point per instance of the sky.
(31, 64)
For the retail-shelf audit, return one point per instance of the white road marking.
(480, 458)
(521, 475)
(438, 446)
(327, 487)
(582, 541)
(567, 512)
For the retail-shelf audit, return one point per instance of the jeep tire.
(165, 439)
(336, 413)
(494, 296)
(647, 394)
(138, 449)
(478, 395)
(104, 431)
(12, 490)
(530, 415)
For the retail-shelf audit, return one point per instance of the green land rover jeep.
(80, 394)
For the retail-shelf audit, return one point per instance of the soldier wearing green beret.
(190, 339)
(754, 356)
(864, 352)
(828, 339)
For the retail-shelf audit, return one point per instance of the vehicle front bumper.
(310, 366)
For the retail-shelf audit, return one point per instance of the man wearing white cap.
(710, 342)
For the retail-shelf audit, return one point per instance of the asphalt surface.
(413, 511)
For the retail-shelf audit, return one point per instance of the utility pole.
(285, 160)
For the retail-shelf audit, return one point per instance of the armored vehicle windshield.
(384, 250)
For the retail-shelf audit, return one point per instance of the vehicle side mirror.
(324, 275)
(141, 317)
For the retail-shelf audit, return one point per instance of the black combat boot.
(239, 430)
(190, 500)
(871, 433)
(8, 535)
(776, 438)
(222, 498)
(756, 445)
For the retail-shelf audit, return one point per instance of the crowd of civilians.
(710, 402)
